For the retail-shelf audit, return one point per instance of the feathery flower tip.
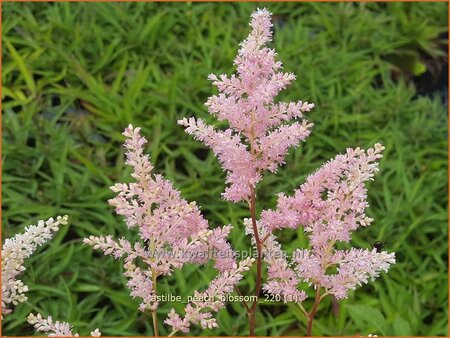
(260, 130)
(14, 252)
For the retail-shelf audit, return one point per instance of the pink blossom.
(332, 202)
(354, 267)
(330, 205)
(14, 252)
(177, 323)
(232, 154)
(199, 310)
(173, 233)
(282, 280)
(141, 285)
(260, 131)
(55, 328)
(274, 146)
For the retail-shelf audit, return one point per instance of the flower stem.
(154, 314)
(243, 301)
(155, 323)
(252, 313)
(313, 312)
(303, 310)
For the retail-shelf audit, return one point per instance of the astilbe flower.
(330, 205)
(173, 233)
(282, 279)
(199, 311)
(55, 328)
(15, 250)
(260, 131)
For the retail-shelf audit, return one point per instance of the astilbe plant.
(173, 233)
(329, 205)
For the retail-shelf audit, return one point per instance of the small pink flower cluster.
(55, 328)
(211, 300)
(282, 279)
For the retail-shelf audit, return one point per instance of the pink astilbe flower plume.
(173, 232)
(354, 268)
(260, 132)
(330, 205)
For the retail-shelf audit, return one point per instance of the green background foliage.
(76, 74)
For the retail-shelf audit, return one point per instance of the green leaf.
(368, 319)
(401, 327)
(28, 77)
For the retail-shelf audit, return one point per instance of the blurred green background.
(76, 74)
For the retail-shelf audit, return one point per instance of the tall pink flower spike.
(330, 205)
(259, 135)
(173, 233)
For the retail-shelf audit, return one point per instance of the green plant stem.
(155, 323)
(252, 313)
(154, 314)
(243, 301)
